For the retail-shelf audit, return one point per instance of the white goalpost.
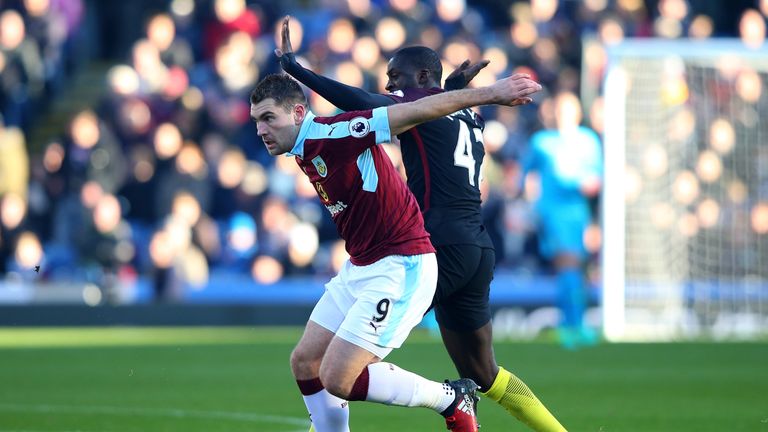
(685, 204)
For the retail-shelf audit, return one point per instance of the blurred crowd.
(38, 51)
(166, 178)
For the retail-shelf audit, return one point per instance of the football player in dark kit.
(442, 160)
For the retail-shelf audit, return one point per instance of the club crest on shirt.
(359, 127)
(319, 164)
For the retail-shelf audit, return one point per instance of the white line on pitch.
(29, 430)
(155, 412)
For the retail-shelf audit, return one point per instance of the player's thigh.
(325, 319)
(562, 233)
(455, 266)
(392, 296)
(467, 307)
(331, 310)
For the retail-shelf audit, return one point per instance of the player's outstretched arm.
(511, 91)
(346, 98)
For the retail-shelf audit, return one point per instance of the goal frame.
(613, 212)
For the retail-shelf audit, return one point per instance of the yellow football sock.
(311, 428)
(511, 393)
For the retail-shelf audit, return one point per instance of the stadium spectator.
(37, 52)
(14, 177)
(23, 72)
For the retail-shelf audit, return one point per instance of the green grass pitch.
(238, 379)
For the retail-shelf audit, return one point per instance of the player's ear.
(423, 77)
(299, 112)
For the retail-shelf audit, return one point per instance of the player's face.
(400, 76)
(567, 111)
(276, 126)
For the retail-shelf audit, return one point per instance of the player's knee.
(335, 388)
(334, 380)
(303, 363)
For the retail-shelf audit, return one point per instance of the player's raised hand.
(466, 72)
(515, 90)
(285, 46)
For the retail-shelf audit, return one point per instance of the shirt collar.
(298, 147)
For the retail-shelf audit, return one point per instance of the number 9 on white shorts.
(376, 306)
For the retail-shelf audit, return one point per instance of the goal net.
(685, 210)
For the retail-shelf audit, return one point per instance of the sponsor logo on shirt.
(320, 191)
(336, 208)
(359, 127)
(319, 164)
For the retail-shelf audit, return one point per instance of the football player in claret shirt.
(381, 293)
(442, 160)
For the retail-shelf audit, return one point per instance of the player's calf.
(390, 385)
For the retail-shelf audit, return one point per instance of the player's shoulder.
(472, 118)
(343, 117)
(589, 133)
(351, 125)
(357, 123)
(544, 134)
(542, 139)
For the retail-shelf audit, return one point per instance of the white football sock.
(390, 385)
(328, 412)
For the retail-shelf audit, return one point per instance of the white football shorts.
(376, 306)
